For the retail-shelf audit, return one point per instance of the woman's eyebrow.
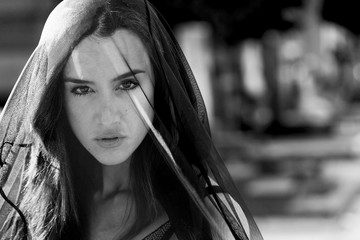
(78, 81)
(119, 77)
(132, 72)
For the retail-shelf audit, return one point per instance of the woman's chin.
(112, 162)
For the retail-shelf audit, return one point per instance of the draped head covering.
(186, 173)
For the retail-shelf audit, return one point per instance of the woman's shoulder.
(230, 206)
(160, 229)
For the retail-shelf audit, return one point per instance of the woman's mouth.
(109, 142)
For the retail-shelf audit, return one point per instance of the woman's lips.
(109, 142)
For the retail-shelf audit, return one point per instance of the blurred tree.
(231, 20)
(343, 13)
(236, 20)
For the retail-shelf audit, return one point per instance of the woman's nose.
(108, 113)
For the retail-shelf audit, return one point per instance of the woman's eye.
(80, 91)
(128, 84)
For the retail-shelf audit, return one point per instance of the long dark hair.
(55, 189)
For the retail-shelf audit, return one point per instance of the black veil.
(188, 175)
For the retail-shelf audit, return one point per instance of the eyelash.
(134, 84)
(81, 90)
(85, 90)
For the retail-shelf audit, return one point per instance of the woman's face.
(99, 93)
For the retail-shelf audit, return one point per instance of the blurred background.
(281, 81)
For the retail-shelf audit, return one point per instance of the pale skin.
(106, 122)
(103, 118)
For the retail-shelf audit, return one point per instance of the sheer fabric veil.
(188, 175)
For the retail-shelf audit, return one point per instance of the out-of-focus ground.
(317, 196)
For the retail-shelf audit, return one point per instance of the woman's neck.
(115, 179)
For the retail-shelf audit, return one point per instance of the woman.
(105, 136)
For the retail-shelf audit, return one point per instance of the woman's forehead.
(118, 52)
